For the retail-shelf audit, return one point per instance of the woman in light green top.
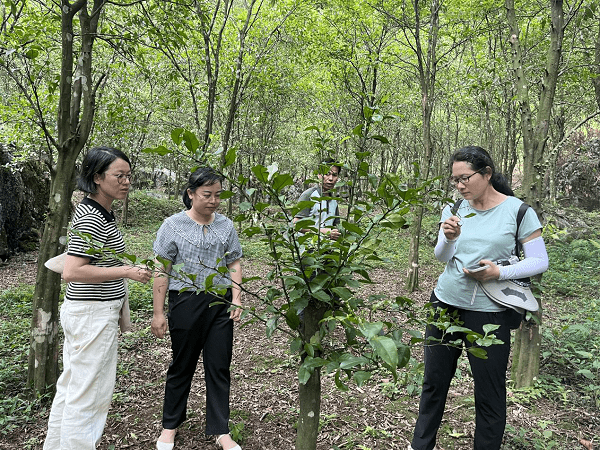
(487, 236)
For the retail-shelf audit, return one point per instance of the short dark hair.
(96, 161)
(330, 162)
(203, 176)
(479, 160)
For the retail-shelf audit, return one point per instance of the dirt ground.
(264, 396)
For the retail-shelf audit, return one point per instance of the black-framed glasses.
(464, 179)
(121, 177)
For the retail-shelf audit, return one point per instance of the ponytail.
(480, 160)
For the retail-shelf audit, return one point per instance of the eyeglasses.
(122, 177)
(464, 179)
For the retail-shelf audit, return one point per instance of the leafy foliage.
(15, 314)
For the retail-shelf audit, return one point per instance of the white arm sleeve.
(444, 250)
(535, 261)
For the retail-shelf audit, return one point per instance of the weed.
(237, 431)
(540, 438)
(375, 433)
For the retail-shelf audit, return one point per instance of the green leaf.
(361, 377)
(321, 296)
(161, 150)
(191, 141)
(385, 348)
(129, 257)
(381, 139)
(32, 54)
(339, 383)
(177, 135)
(371, 329)
(353, 228)
(305, 224)
(273, 169)
(281, 181)
(488, 328)
(478, 352)
(208, 282)
(403, 355)
(353, 361)
(261, 173)
(457, 329)
(230, 157)
(292, 319)
(358, 130)
(245, 206)
(261, 206)
(342, 292)
(226, 194)
(271, 326)
(303, 375)
(586, 373)
(309, 349)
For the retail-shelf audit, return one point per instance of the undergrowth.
(15, 323)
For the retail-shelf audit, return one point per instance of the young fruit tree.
(313, 292)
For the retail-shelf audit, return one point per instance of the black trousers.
(197, 327)
(489, 376)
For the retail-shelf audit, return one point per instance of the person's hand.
(491, 273)
(139, 273)
(236, 314)
(158, 325)
(331, 233)
(451, 228)
(334, 234)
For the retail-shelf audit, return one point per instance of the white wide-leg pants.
(85, 387)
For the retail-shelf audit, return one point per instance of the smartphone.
(477, 268)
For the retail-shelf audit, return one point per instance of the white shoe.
(164, 445)
(237, 447)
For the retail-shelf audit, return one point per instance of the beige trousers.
(85, 387)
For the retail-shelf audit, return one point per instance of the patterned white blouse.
(202, 249)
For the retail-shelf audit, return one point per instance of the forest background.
(394, 85)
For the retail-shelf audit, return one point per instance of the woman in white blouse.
(202, 240)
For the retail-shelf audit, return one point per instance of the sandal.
(237, 447)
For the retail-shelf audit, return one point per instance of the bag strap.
(520, 214)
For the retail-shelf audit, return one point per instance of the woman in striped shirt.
(93, 300)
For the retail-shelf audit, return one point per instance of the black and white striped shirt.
(90, 217)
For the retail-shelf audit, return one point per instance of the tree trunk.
(525, 359)
(427, 73)
(310, 393)
(412, 281)
(76, 110)
(310, 410)
(596, 79)
(527, 338)
(43, 354)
